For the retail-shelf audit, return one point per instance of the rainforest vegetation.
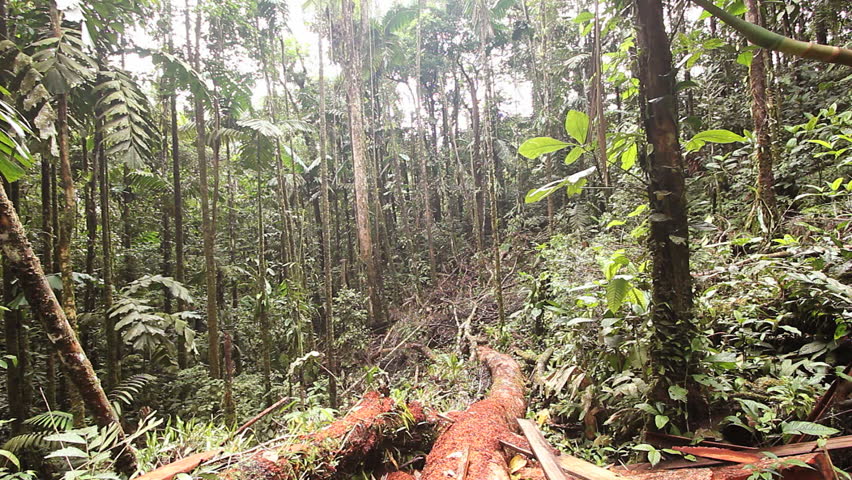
(355, 239)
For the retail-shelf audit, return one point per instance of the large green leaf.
(808, 428)
(616, 292)
(712, 136)
(573, 185)
(577, 125)
(574, 155)
(538, 146)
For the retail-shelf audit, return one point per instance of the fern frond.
(131, 386)
(52, 420)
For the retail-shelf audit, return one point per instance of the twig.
(260, 415)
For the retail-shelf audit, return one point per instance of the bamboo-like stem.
(773, 41)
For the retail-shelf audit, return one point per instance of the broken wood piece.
(478, 429)
(517, 448)
(576, 467)
(260, 415)
(542, 451)
(818, 467)
(836, 443)
(721, 454)
(184, 465)
(665, 440)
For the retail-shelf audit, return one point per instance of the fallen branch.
(479, 429)
(260, 415)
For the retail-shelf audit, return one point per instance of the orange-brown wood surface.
(470, 448)
(184, 465)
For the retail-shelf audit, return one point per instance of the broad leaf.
(616, 292)
(538, 146)
(808, 428)
(577, 125)
(712, 136)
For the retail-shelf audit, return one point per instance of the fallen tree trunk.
(471, 445)
(341, 445)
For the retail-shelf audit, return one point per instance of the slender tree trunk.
(206, 220)
(17, 249)
(669, 239)
(476, 168)
(766, 204)
(352, 73)
(14, 330)
(69, 214)
(599, 113)
(422, 155)
(492, 180)
(113, 362)
(263, 318)
(177, 207)
(90, 165)
(328, 285)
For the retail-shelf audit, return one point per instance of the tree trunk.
(69, 214)
(352, 74)
(422, 155)
(206, 220)
(17, 249)
(766, 204)
(669, 239)
(328, 286)
(479, 429)
(112, 361)
(14, 330)
(91, 222)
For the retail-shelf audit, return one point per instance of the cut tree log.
(346, 442)
(184, 465)
(479, 429)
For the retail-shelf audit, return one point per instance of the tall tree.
(422, 154)
(669, 238)
(325, 218)
(207, 225)
(352, 74)
(17, 249)
(69, 208)
(765, 203)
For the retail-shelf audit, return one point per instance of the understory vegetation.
(212, 207)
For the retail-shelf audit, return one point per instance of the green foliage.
(127, 118)
(147, 330)
(14, 155)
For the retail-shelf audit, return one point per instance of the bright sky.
(518, 93)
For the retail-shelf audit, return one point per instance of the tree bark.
(206, 220)
(328, 285)
(14, 334)
(422, 155)
(669, 239)
(339, 447)
(69, 213)
(766, 203)
(17, 249)
(352, 74)
(471, 448)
